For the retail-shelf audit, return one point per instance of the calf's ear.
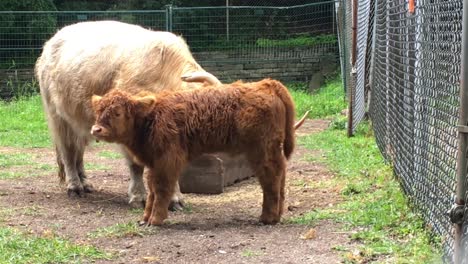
(95, 99)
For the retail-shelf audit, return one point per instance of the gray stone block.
(209, 174)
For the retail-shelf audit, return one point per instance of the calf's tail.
(290, 128)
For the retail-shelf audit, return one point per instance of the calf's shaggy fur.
(166, 130)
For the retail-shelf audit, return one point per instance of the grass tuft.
(17, 247)
(325, 102)
(130, 229)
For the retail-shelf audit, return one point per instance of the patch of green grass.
(17, 247)
(374, 205)
(5, 213)
(110, 154)
(23, 123)
(32, 210)
(325, 102)
(130, 229)
(94, 166)
(311, 218)
(12, 160)
(250, 253)
(15, 165)
(136, 211)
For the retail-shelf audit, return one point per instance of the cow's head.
(115, 114)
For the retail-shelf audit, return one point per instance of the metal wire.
(415, 102)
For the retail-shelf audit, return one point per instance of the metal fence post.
(169, 14)
(457, 211)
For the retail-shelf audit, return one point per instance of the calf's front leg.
(162, 189)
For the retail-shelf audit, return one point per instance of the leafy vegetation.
(375, 207)
(300, 41)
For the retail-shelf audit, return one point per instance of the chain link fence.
(234, 42)
(412, 62)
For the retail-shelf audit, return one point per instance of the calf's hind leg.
(270, 171)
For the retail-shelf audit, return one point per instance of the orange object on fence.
(411, 6)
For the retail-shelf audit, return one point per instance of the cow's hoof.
(176, 205)
(75, 191)
(88, 188)
(137, 202)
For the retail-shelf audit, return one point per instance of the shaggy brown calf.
(167, 130)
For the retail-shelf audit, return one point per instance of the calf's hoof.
(154, 221)
(270, 220)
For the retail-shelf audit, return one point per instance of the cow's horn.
(300, 122)
(201, 77)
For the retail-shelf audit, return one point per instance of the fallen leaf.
(150, 258)
(311, 234)
(48, 233)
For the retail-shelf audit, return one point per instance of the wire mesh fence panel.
(370, 54)
(345, 13)
(260, 37)
(289, 43)
(415, 102)
(344, 20)
(22, 35)
(358, 103)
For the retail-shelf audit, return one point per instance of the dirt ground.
(220, 228)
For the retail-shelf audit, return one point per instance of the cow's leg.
(87, 187)
(269, 169)
(69, 148)
(136, 188)
(177, 200)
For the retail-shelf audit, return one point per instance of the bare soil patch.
(220, 228)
